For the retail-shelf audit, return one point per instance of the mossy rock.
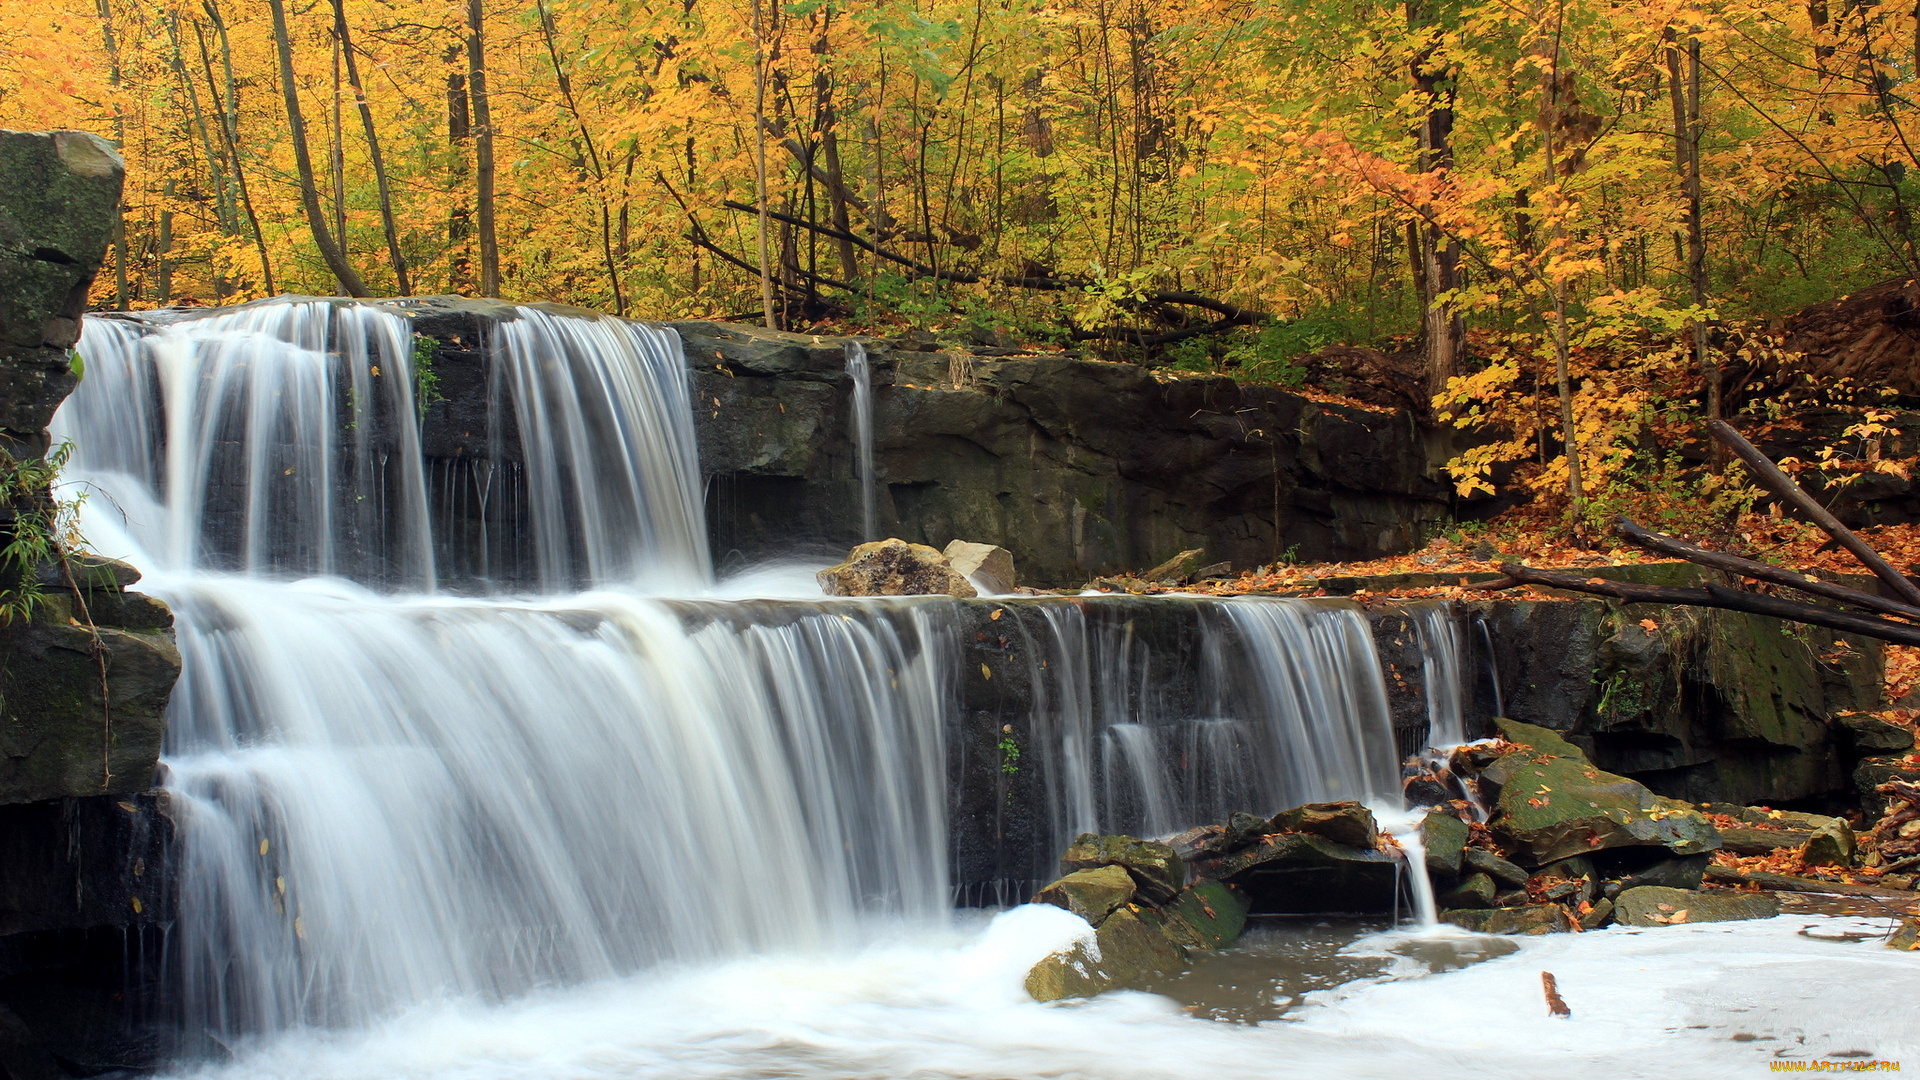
(1091, 894)
(1531, 919)
(1555, 807)
(1347, 823)
(1480, 860)
(1477, 891)
(1906, 936)
(1128, 952)
(1156, 870)
(1653, 905)
(1543, 740)
(1206, 915)
(1445, 839)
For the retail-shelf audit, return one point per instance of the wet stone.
(1090, 894)
(1652, 905)
(1532, 919)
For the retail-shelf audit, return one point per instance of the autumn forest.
(1559, 215)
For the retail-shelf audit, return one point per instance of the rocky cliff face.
(59, 202)
(84, 682)
(1078, 467)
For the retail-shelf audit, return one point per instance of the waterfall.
(388, 792)
(862, 377)
(1441, 647)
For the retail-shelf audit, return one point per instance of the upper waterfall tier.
(283, 438)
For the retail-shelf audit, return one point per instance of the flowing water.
(545, 805)
(861, 376)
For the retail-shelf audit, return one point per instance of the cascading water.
(388, 795)
(862, 377)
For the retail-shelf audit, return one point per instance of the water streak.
(862, 377)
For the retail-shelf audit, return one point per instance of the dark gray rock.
(1445, 839)
(1480, 860)
(1475, 891)
(1866, 735)
(59, 202)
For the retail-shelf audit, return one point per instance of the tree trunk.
(1684, 89)
(482, 146)
(1442, 330)
(119, 140)
(459, 216)
(760, 165)
(334, 256)
(229, 112)
(373, 149)
(591, 154)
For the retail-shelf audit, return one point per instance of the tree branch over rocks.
(1893, 619)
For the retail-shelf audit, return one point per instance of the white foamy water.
(1719, 1000)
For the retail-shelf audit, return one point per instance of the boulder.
(1544, 740)
(1157, 871)
(1554, 804)
(1177, 570)
(1685, 872)
(1868, 735)
(1906, 935)
(1597, 915)
(1347, 823)
(1127, 952)
(1652, 905)
(1480, 860)
(1090, 894)
(1874, 771)
(989, 565)
(1206, 915)
(1476, 891)
(1445, 839)
(1831, 845)
(1531, 919)
(1304, 873)
(894, 568)
(1747, 841)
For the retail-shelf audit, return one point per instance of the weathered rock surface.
(1707, 706)
(1830, 845)
(1553, 807)
(1128, 951)
(85, 704)
(1531, 919)
(1866, 735)
(1347, 823)
(1652, 905)
(1158, 873)
(1206, 915)
(894, 568)
(59, 202)
(1445, 839)
(987, 564)
(1091, 894)
(1304, 873)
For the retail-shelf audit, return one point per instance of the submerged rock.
(1090, 894)
(1531, 919)
(894, 568)
(1653, 905)
(1127, 951)
(1156, 870)
(988, 564)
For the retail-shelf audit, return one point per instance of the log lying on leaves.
(1786, 490)
(1893, 619)
(1714, 596)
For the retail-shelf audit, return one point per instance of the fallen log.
(1752, 568)
(1713, 596)
(1786, 490)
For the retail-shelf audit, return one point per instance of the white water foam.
(1714, 1000)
